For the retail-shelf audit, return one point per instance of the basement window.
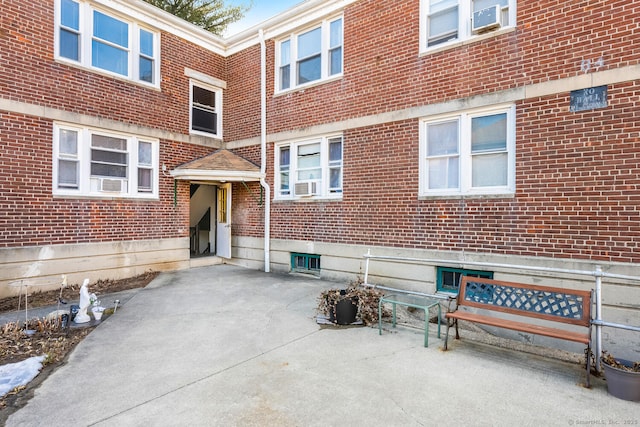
(448, 279)
(305, 263)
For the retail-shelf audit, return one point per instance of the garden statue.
(82, 316)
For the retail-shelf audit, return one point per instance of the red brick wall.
(577, 195)
(30, 215)
(576, 192)
(242, 97)
(577, 176)
(379, 202)
(576, 184)
(247, 213)
(29, 74)
(384, 72)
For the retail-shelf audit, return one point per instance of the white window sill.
(201, 134)
(302, 88)
(106, 196)
(116, 76)
(470, 40)
(308, 199)
(466, 196)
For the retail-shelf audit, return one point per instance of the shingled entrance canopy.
(221, 166)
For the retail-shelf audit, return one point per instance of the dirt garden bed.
(48, 339)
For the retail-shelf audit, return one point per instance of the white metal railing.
(598, 322)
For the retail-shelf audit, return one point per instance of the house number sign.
(588, 99)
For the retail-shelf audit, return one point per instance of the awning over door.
(220, 166)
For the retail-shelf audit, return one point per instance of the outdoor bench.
(535, 307)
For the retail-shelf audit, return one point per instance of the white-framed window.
(205, 110)
(311, 55)
(101, 163)
(468, 153)
(309, 169)
(101, 40)
(446, 21)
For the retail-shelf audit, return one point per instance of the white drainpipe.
(263, 150)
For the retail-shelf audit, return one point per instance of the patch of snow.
(14, 375)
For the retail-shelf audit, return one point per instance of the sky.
(261, 11)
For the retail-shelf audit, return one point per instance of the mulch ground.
(71, 292)
(49, 338)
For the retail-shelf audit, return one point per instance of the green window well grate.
(305, 263)
(448, 279)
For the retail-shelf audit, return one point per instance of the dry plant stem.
(49, 338)
(366, 297)
(611, 361)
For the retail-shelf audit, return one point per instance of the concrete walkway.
(226, 346)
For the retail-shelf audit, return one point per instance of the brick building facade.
(479, 133)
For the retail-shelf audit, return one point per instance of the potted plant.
(96, 309)
(343, 306)
(623, 377)
(339, 305)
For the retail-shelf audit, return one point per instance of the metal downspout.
(263, 150)
(598, 348)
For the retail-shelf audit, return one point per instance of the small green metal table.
(409, 300)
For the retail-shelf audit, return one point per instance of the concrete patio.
(227, 346)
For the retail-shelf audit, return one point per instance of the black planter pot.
(345, 311)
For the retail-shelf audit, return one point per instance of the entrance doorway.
(210, 220)
(223, 221)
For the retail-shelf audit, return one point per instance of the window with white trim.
(312, 55)
(102, 40)
(309, 169)
(469, 153)
(445, 21)
(94, 162)
(206, 110)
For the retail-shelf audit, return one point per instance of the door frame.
(223, 220)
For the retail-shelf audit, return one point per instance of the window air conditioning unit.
(306, 188)
(111, 185)
(486, 19)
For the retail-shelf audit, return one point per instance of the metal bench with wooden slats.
(547, 304)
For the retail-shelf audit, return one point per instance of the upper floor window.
(206, 110)
(312, 55)
(93, 162)
(468, 153)
(311, 168)
(101, 40)
(454, 20)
